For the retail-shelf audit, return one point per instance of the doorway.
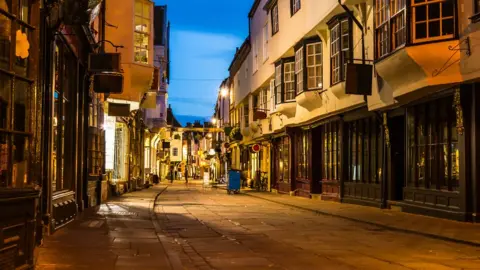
(397, 157)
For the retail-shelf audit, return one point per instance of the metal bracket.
(458, 47)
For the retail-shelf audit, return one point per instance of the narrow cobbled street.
(192, 227)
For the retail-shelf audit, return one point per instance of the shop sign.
(256, 148)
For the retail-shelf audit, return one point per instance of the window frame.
(282, 154)
(304, 74)
(416, 144)
(303, 155)
(364, 145)
(18, 139)
(274, 17)
(331, 151)
(265, 33)
(414, 5)
(146, 34)
(341, 55)
(295, 6)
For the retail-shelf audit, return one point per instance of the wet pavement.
(202, 228)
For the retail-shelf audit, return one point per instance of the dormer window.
(285, 81)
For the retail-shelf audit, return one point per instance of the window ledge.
(475, 18)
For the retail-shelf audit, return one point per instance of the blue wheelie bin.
(233, 182)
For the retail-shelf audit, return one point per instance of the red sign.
(256, 148)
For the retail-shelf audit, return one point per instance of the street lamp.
(214, 120)
(224, 92)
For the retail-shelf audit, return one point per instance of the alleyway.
(201, 228)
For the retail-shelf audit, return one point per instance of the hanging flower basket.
(228, 130)
(235, 134)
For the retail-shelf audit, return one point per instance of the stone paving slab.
(462, 232)
(118, 235)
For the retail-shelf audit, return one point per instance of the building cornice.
(254, 8)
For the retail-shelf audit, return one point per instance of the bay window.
(246, 115)
(314, 66)
(331, 151)
(430, 20)
(433, 150)
(364, 144)
(142, 31)
(285, 81)
(308, 65)
(340, 43)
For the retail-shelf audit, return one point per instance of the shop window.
(15, 95)
(302, 146)
(331, 151)
(142, 30)
(433, 150)
(363, 155)
(341, 53)
(282, 160)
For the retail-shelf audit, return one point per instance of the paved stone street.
(202, 228)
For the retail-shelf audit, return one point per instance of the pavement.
(196, 227)
(449, 230)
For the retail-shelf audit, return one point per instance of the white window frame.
(289, 81)
(317, 75)
(275, 20)
(299, 70)
(296, 6)
(272, 95)
(278, 84)
(144, 31)
(265, 42)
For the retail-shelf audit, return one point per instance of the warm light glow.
(320, 85)
(214, 120)
(211, 152)
(224, 92)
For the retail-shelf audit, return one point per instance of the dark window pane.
(20, 161)
(21, 119)
(448, 27)
(5, 41)
(5, 89)
(421, 13)
(420, 30)
(434, 11)
(434, 29)
(447, 9)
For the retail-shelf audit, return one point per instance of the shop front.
(436, 135)
(20, 132)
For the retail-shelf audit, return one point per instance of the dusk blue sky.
(203, 39)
